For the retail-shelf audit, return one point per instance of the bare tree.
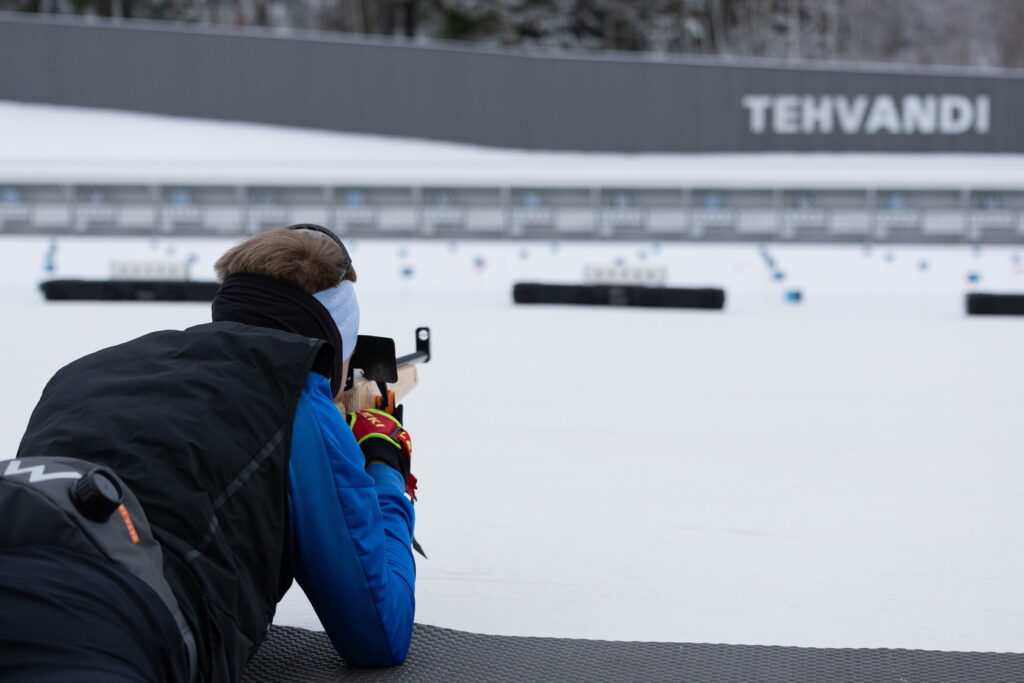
(982, 32)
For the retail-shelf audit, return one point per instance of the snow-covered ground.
(842, 472)
(45, 143)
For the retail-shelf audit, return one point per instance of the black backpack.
(76, 505)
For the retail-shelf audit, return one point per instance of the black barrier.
(590, 101)
(995, 304)
(128, 290)
(618, 295)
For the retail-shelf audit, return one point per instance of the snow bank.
(47, 143)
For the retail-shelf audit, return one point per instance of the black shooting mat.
(441, 654)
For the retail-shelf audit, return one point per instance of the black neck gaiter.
(265, 302)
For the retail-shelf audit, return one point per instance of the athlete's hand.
(384, 439)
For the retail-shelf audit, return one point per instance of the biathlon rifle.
(377, 378)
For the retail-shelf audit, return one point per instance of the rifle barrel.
(411, 358)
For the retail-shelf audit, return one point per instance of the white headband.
(340, 302)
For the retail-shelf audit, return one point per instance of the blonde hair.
(303, 258)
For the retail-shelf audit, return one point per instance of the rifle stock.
(364, 393)
(374, 366)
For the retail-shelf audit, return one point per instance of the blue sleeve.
(350, 534)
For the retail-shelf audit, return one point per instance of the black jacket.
(198, 423)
